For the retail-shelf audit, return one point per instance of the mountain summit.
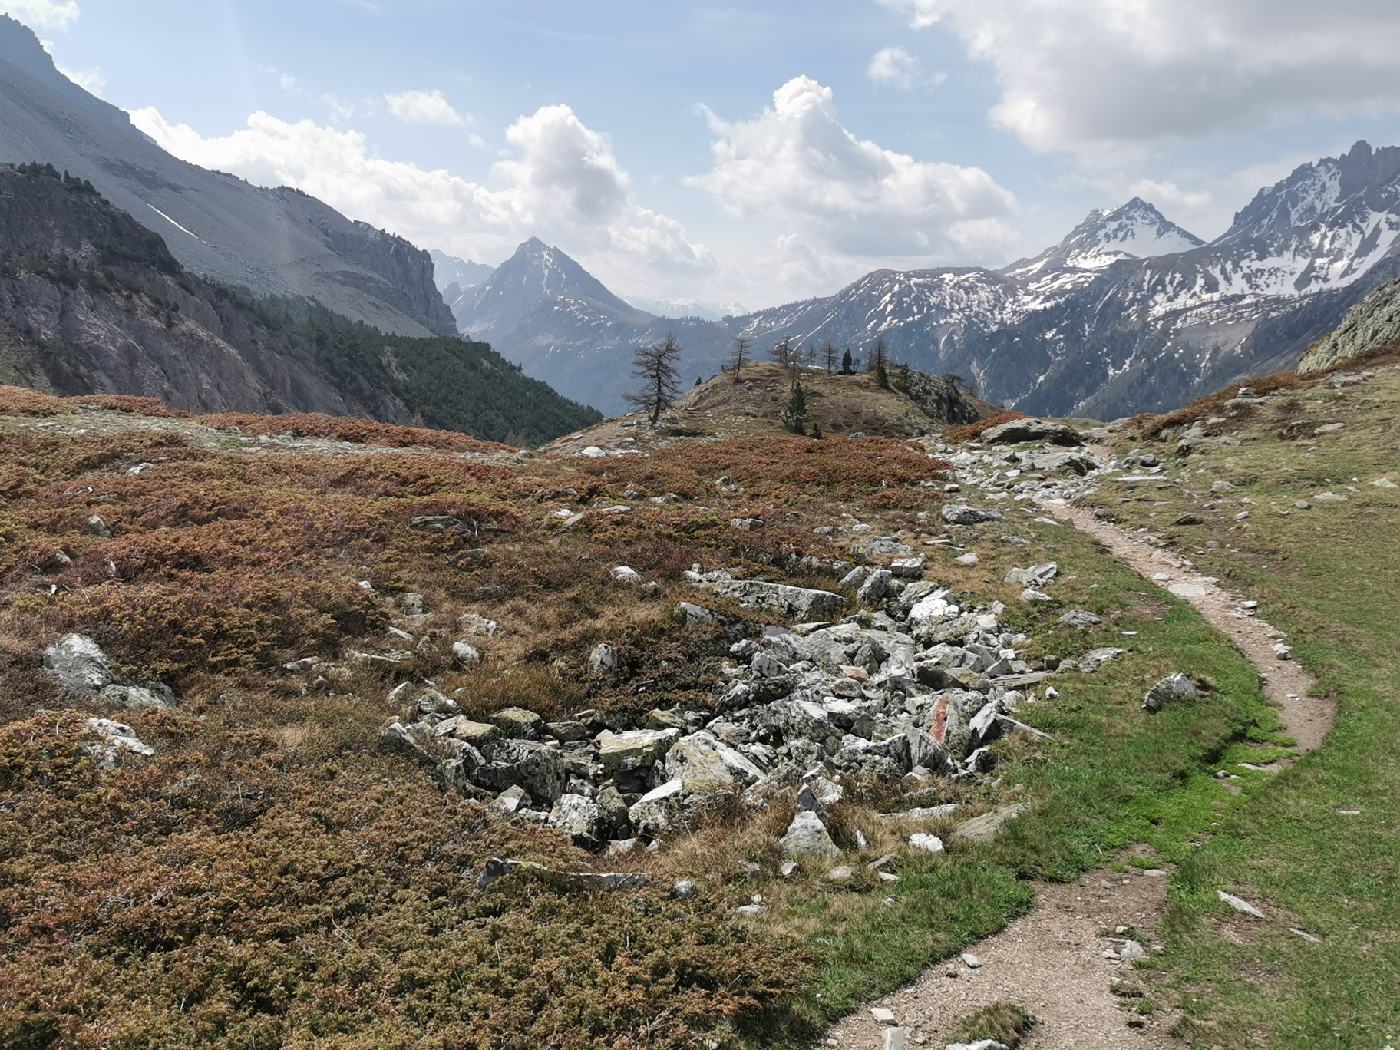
(1135, 230)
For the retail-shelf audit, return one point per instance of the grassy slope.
(1328, 577)
(229, 564)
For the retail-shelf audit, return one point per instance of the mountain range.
(1128, 313)
(270, 241)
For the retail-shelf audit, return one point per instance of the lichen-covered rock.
(1171, 689)
(707, 766)
(635, 749)
(79, 665)
(659, 810)
(807, 836)
(1016, 431)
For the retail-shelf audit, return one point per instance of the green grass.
(1329, 577)
(1007, 1023)
(1114, 776)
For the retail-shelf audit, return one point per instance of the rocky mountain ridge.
(271, 241)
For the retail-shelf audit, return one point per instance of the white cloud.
(1089, 75)
(559, 180)
(424, 107)
(895, 66)
(795, 165)
(42, 14)
(90, 80)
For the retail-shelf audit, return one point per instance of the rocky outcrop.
(1370, 325)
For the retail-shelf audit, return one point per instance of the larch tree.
(784, 354)
(740, 355)
(829, 357)
(656, 367)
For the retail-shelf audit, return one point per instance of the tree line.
(656, 367)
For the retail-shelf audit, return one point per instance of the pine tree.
(829, 357)
(794, 416)
(655, 366)
(847, 365)
(879, 362)
(739, 356)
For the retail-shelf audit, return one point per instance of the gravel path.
(1060, 961)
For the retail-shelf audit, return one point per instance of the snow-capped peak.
(1135, 230)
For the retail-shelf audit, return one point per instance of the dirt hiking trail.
(1061, 960)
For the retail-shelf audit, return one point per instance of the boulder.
(139, 697)
(1035, 576)
(795, 602)
(626, 574)
(466, 653)
(988, 825)
(807, 836)
(658, 810)
(536, 767)
(1171, 689)
(564, 881)
(459, 727)
(604, 659)
(581, 818)
(706, 766)
(962, 514)
(1016, 431)
(517, 722)
(115, 740)
(635, 749)
(694, 617)
(79, 665)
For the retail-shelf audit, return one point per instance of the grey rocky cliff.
(1370, 325)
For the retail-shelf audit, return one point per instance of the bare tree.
(655, 366)
(784, 354)
(829, 356)
(740, 355)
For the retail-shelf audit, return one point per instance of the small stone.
(971, 961)
(882, 1014)
(626, 574)
(969, 559)
(466, 653)
(1131, 950)
(1240, 904)
(926, 843)
(684, 889)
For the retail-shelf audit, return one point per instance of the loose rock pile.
(911, 684)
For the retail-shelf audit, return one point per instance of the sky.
(744, 154)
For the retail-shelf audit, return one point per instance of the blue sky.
(744, 153)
